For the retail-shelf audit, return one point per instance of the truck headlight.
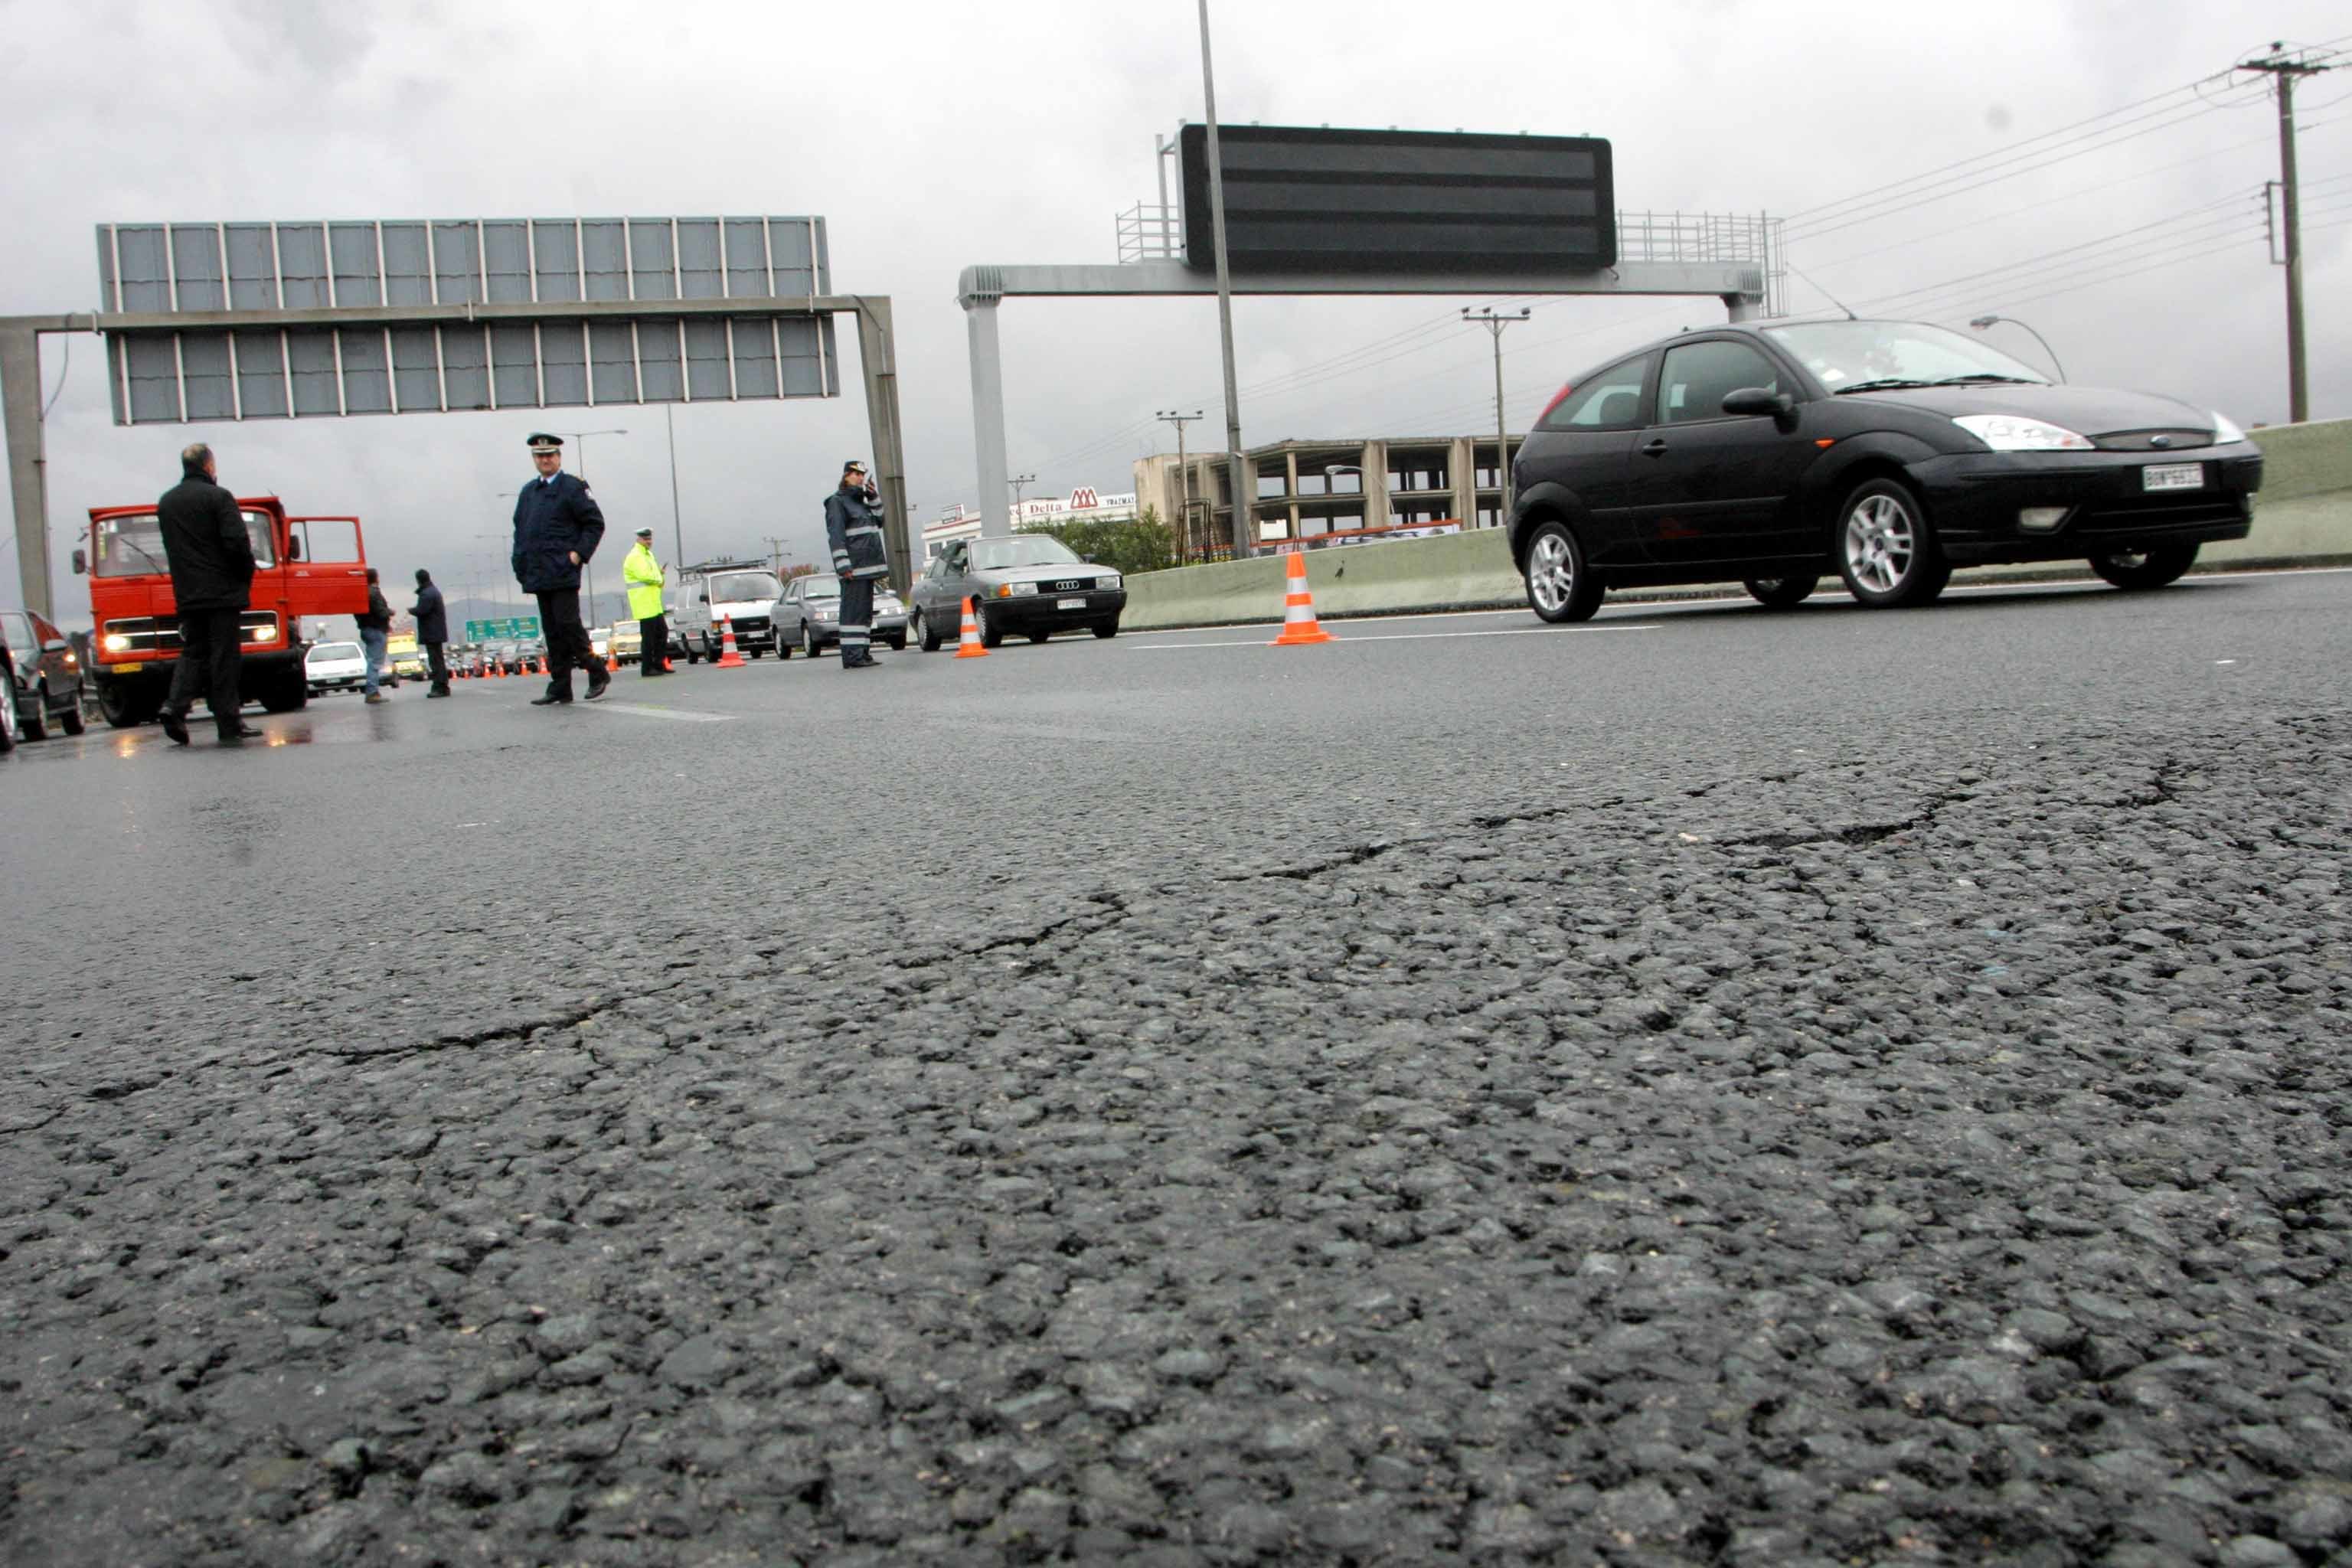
(117, 642)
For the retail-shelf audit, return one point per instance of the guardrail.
(2303, 517)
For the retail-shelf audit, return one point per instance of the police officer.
(557, 527)
(644, 575)
(853, 527)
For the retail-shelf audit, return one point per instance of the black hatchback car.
(1889, 452)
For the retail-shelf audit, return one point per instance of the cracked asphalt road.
(1808, 1088)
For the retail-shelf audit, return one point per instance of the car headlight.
(2225, 430)
(1113, 581)
(2008, 433)
(828, 614)
(1016, 590)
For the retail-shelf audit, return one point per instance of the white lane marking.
(1408, 636)
(683, 715)
(1831, 593)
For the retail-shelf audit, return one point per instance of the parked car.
(45, 676)
(1030, 583)
(507, 656)
(8, 684)
(1889, 452)
(808, 616)
(334, 666)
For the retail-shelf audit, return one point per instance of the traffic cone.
(728, 657)
(968, 643)
(1299, 623)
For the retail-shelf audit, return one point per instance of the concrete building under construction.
(1309, 488)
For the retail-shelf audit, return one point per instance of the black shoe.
(552, 699)
(860, 661)
(438, 692)
(238, 736)
(598, 683)
(654, 674)
(176, 726)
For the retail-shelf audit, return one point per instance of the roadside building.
(1306, 489)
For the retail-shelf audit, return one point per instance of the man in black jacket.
(557, 526)
(432, 630)
(853, 529)
(211, 558)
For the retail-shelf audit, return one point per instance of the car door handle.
(1655, 449)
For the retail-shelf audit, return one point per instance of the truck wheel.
(127, 704)
(286, 694)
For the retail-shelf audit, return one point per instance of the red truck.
(304, 566)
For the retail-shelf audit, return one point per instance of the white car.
(334, 666)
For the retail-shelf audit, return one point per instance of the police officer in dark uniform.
(853, 527)
(557, 526)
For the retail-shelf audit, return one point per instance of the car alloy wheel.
(1558, 586)
(990, 634)
(927, 637)
(1887, 552)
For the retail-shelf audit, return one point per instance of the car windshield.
(336, 650)
(735, 587)
(132, 546)
(1846, 356)
(1032, 550)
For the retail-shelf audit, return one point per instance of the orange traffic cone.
(968, 645)
(1299, 623)
(728, 657)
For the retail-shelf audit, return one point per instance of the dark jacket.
(552, 522)
(431, 619)
(377, 617)
(206, 544)
(853, 527)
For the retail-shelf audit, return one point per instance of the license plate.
(2172, 477)
(1070, 605)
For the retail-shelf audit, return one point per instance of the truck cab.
(304, 568)
(717, 593)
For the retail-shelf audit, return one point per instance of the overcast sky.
(934, 135)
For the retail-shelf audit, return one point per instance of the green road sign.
(511, 629)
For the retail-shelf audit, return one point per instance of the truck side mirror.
(80, 561)
(704, 597)
(293, 548)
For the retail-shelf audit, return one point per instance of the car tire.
(1107, 630)
(71, 719)
(1782, 593)
(33, 723)
(990, 634)
(2151, 568)
(784, 647)
(1885, 547)
(898, 641)
(808, 641)
(1560, 587)
(927, 635)
(1039, 636)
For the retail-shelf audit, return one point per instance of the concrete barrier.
(2303, 516)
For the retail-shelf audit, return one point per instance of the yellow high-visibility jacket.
(644, 575)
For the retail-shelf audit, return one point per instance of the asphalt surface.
(1703, 1086)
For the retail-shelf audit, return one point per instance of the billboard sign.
(473, 315)
(1420, 203)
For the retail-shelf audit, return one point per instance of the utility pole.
(1016, 481)
(2283, 72)
(1244, 514)
(1495, 324)
(775, 553)
(1183, 481)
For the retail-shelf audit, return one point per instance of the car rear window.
(336, 650)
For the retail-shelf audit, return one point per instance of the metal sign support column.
(980, 294)
(20, 402)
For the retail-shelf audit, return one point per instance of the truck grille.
(151, 634)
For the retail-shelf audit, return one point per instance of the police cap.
(540, 441)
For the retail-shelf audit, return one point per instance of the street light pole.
(1495, 323)
(1981, 322)
(677, 530)
(1245, 515)
(1183, 481)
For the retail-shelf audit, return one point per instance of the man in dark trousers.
(432, 630)
(853, 528)
(557, 526)
(211, 558)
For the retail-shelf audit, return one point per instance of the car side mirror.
(80, 561)
(1778, 407)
